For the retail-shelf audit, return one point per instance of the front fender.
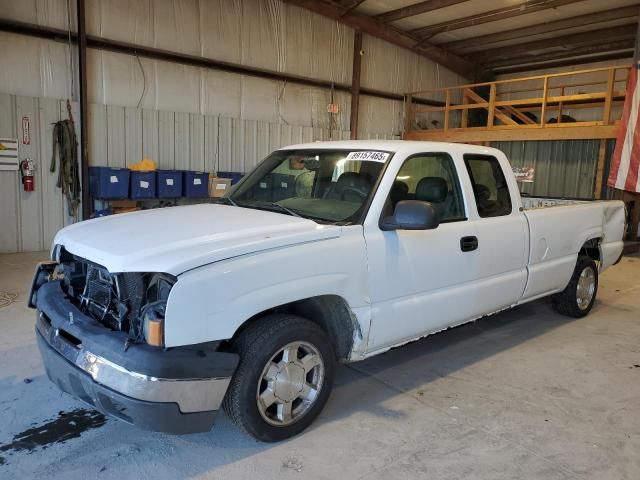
(213, 301)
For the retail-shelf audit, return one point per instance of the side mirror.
(412, 215)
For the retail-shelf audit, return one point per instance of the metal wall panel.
(562, 168)
(119, 137)
(29, 220)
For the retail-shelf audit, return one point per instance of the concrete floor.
(523, 394)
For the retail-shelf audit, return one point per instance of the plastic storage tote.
(169, 183)
(196, 184)
(143, 185)
(108, 182)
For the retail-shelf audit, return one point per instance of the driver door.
(421, 281)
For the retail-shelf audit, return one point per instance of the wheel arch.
(592, 248)
(330, 312)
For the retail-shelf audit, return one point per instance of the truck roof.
(400, 146)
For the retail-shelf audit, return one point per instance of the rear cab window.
(490, 188)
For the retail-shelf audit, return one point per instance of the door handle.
(468, 244)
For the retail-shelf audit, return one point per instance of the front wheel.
(284, 377)
(577, 299)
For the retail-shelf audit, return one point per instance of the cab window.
(432, 178)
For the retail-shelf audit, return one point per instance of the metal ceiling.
(499, 36)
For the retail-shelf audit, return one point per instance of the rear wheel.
(577, 299)
(284, 377)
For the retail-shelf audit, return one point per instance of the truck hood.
(176, 239)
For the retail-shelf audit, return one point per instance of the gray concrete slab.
(523, 394)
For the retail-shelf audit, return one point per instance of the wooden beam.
(446, 109)
(523, 118)
(602, 153)
(520, 133)
(608, 101)
(478, 43)
(523, 59)
(408, 113)
(522, 8)
(388, 33)
(355, 83)
(604, 35)
(415, 9)
(349, 5)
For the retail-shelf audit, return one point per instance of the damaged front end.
(101, 337)
(131, 302)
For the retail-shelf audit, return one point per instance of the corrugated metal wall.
(181, 116)
(121, 136)
(562, 168)
(28, 220)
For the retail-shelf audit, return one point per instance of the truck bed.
(530, 203)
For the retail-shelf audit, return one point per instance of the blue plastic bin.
(169, 183)
(108, 182)
(143, 185)
(234, 176)
(195, 184)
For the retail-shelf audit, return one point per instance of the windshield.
(323, 185)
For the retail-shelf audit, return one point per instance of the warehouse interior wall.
(184, 116)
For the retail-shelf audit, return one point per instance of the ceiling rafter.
(541, 28)
(606, 47)
(517, 10)
(566, 62)
(603, 35)
(415, 9)
(386, 32)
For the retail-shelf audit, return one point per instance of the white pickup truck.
(326, 252)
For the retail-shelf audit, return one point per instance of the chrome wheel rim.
(290, 383)
(586, 288)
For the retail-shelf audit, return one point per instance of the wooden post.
(465, 113)
(602, 152)
(560, 105)
(608, 100)
(492, 105)
(447, 104)
(544, 100)
(408, 113)
(355, 83)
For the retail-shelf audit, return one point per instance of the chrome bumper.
(191, 395)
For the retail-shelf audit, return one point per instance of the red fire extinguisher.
(27, 171)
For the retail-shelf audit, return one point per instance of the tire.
(267, 371)
(574, 300)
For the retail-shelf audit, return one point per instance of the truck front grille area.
(112, 299)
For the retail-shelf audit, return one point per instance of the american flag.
(625, 163)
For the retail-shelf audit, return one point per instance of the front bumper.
(173, 391)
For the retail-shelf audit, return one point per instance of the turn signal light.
(155, 332)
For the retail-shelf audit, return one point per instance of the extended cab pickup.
(325, 252)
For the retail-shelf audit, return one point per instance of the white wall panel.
(166, 140)
(116, 137)
(133, 135)
(150, 133)
(29, 220)
(9, 205)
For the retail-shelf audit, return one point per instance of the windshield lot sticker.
(368, 156)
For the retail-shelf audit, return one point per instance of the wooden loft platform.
(528, 108)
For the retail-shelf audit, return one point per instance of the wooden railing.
(521, 107)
